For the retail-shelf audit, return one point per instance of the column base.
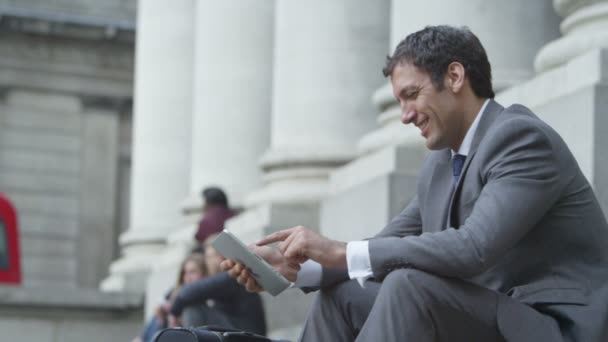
(144, 250)
(259, 221)
(365, 194)
(164, 273)
(584, 30)
(165, 270)
(129, 273)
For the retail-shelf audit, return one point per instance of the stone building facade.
(283, 104)
(289, 112)
(66, 84)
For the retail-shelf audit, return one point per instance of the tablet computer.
(267, 277)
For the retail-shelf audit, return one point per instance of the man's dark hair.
(433, 48)
(215, 196)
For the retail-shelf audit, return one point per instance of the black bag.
(209, 334)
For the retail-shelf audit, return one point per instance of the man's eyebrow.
(406, 89)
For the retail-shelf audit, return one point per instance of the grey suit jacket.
(523, 220)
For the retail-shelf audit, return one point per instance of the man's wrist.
(340, 254)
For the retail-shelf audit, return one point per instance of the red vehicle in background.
(10, 260)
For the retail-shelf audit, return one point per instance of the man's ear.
(455, 77)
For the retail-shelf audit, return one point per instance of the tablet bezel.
(267, 277)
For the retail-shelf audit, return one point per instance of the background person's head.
(193, 268)
(214, 196)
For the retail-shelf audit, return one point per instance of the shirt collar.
(468, 138)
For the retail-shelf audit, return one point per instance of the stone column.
(161, 141)
(327, 59)
(231, 120)
(233, 80)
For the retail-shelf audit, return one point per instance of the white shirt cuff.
(358, 261)
(309, 275)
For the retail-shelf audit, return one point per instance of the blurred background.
(115, 114)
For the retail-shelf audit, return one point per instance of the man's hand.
(272, 256)
(299, 244)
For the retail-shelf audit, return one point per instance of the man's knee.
(339, 292)
(340, 289)
(411, 279)
(349, 294)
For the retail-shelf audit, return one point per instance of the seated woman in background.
(217, 300)
(192, 269)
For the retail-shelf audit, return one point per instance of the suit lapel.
(439, 193)
(492, 110)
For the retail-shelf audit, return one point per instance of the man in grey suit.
(504, 239)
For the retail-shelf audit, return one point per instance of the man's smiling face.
(435, 112)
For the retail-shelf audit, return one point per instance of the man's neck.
(471, 110)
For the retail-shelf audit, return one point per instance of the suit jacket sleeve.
(212, 287)
(407, 223)
(522, 181)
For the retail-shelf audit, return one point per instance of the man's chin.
(434, 145)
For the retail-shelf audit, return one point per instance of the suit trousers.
(412, 305)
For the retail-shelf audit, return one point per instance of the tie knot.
(458, 161)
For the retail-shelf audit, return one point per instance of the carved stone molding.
(566, 7)
(119, 105)
(583, 28)
(51, 23)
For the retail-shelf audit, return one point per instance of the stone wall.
(66, 78)
(63, 102)
(40, 146)
(67, 315)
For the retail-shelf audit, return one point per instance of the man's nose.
(408, 114)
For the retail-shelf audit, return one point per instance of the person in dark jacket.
(193, 268)
(215, 212)
(217, 300)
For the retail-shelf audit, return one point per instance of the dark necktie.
(458, 162)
